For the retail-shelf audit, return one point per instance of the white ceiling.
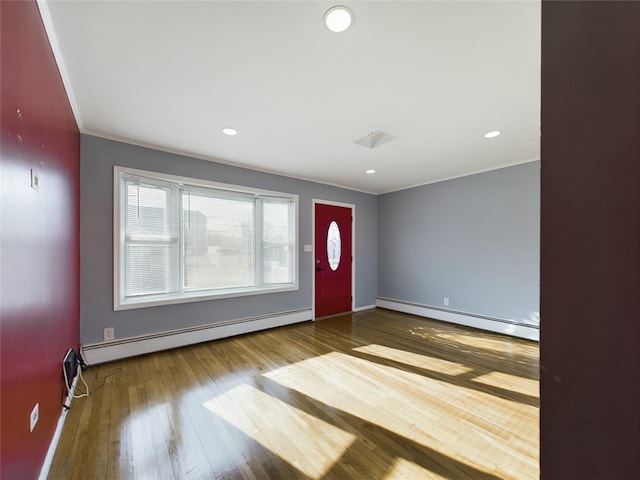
(435, 75)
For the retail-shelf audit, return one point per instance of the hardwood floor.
(372, 395)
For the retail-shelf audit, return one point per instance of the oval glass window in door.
(333, 246)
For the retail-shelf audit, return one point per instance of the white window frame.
(121, 302)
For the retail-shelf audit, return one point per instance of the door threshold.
(341, 314)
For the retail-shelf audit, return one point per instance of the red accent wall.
(39, 283)
(590, 241)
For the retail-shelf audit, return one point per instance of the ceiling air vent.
(374, 139)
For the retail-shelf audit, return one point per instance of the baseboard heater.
(131, 346)
(482, 322)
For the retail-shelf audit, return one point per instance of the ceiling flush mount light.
(230, 131)
(492, 134)
(370, 171)
(338, 18)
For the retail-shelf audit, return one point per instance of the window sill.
(174, 299)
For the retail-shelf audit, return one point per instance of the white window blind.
(151, 239)
(277, 242)
(181, 239)
(219, 241)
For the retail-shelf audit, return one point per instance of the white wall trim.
(221, 161)
(53, 445)
(366, 307)
(132, 346)
(454, 177)
(506, 327)
(45, 14)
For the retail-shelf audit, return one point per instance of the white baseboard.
(367, 307)
(497, 325)
(53, 445)
(132, 346)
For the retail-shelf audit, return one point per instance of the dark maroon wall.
(39, 289)
(590, 291)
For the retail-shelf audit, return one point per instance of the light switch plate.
(35, 180)
(33, 418)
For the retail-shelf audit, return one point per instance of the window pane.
(218, 242)
(276, 243)
(147, 210)
(151, 240)
(147, 269)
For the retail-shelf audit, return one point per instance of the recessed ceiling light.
(338, 18)
(492, 134)
(229, 131)
(371, 170)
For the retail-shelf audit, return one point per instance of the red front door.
(332, 260)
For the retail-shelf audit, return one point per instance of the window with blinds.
(180, 239)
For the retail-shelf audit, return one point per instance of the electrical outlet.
(33, 418)
(445, 301)
(108, 334)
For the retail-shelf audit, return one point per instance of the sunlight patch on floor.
(371, 392)
(414, 359)
(482, 341)
(437, 414)
(526, 386)
(403, 468)
(303, 440)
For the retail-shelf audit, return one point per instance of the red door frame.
(352, 207)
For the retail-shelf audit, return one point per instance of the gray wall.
(98, 157)
(473, 239)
